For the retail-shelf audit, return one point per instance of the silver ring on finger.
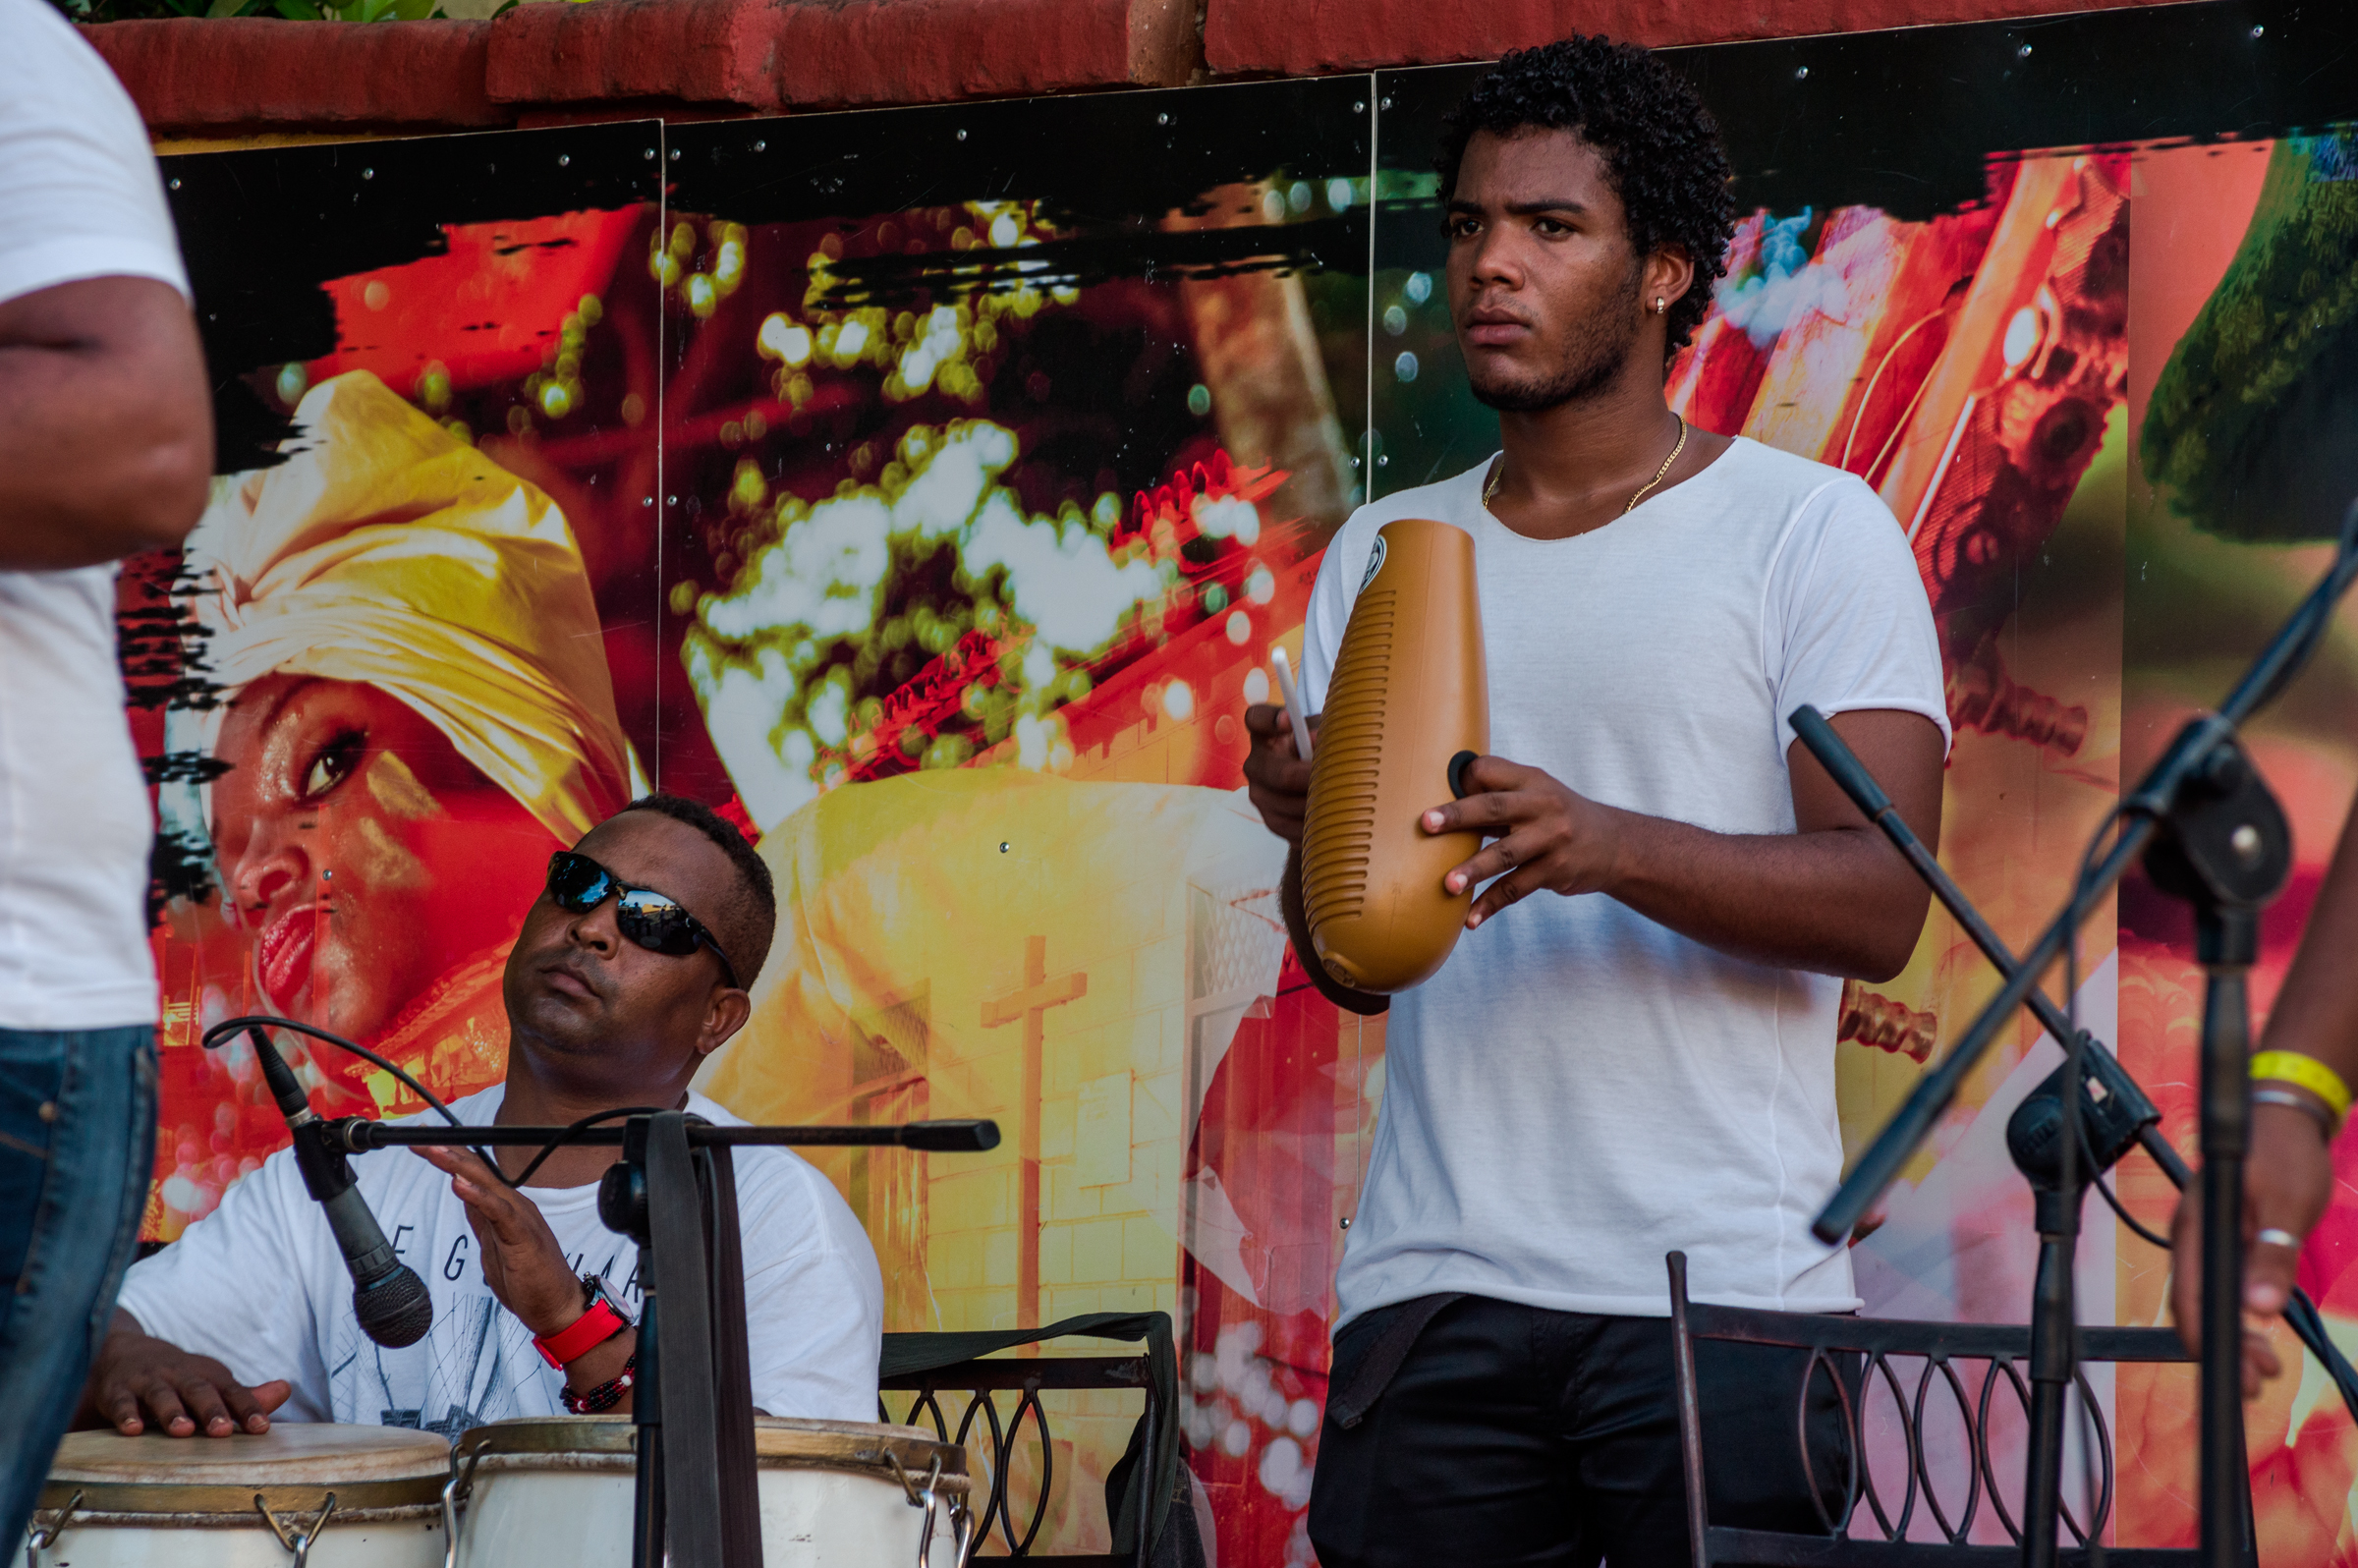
(2274, 1237)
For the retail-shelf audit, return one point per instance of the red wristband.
(584, 1334)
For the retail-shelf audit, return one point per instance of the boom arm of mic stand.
(1913, 1122)
(1843, 764)
(956, 1137)
(1859, 784)
(2187, 759)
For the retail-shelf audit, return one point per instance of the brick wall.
(693, 59)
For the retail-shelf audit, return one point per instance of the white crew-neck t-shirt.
(1578, 1090)
(80, 198)
(259, 1284)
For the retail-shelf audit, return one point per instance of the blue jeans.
(77, 1147)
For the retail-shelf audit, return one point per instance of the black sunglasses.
(654, 921)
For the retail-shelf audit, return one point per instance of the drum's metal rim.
(560, 1460)
(876, 1453)
(151, 1499)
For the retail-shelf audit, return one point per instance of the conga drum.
(338, 1496)
(557, 1492)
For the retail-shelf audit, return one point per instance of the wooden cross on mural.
(1031, 1003)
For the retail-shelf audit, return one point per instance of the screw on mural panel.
(1800, 73)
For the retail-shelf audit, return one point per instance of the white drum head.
(291, 1465)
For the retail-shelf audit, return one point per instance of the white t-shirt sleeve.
(81, 196)
(235, 1286)
(814, 1298)
(1330, 599)
(1846, 621)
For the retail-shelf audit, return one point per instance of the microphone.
(387, 1296)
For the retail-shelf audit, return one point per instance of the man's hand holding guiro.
(1277, 779)
(1544, 837)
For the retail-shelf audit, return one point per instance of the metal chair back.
(1972, 1362)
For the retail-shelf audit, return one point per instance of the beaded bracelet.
(2305, 1072)
(606, 1395)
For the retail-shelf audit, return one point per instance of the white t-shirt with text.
(259, 1284)
(1578, 1090)
(80, 198)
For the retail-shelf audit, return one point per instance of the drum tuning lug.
(43, 1536)
(928, 1497)
(450, 1513)
(962, 1533)
(298, 1542)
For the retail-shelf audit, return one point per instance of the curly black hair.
(752, 915)
(1660, 148)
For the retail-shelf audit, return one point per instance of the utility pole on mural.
(1030, 1004)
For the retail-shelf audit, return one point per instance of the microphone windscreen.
(1410, 691)
(394, 1311)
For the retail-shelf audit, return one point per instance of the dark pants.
(76, 1145)
(1514, 1435)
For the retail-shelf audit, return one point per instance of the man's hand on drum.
(521, 1262)
(138, 1380)
(1279, 778)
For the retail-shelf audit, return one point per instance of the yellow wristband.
(2305, 1072)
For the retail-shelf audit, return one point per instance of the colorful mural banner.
(928, 488)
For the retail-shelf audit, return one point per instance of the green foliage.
(2256, 397)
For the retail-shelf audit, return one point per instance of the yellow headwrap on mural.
(388, 551)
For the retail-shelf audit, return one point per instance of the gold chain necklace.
(1489, 491)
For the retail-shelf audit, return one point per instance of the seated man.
(250, 1312)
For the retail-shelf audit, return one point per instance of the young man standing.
(1632, 1049)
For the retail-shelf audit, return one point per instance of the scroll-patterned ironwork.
(1974, 1363)
(980, 1381)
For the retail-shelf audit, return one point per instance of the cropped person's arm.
(107, 424)
(2289, 1171)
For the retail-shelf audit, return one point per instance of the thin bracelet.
(2300, 1102)
(2303, 1071)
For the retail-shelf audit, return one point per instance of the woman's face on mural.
(364, 853)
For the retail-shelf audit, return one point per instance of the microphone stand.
(2211, 832)
(693, 1493)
